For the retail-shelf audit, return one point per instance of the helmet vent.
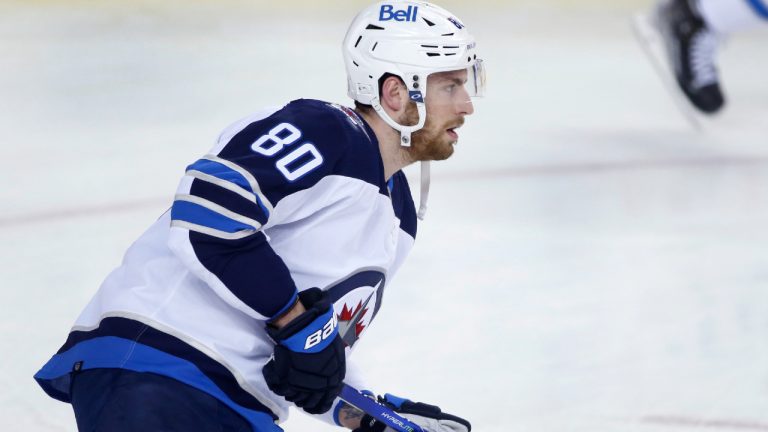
(430, 46)
(448, 34)
(450, 47)
(374, 27)
(358, 40)
(374, 46)
(429, 23)
(433, 54)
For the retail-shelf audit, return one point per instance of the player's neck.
(394, 156)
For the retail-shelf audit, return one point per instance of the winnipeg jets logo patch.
(356, 301)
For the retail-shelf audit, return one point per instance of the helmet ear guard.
(405, 131)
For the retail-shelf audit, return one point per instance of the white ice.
(589, 262)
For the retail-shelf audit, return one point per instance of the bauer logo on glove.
(321, 335)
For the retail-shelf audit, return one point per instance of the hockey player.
(249, 294)
(687, 33)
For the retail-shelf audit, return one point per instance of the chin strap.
(424, 194)
(405, 141)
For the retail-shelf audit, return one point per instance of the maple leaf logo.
(352, 318)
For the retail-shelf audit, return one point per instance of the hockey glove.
(309, 362)
(429, 417)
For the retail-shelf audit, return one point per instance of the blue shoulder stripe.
(215, 196)
(220, 171)
(230, 176)
(194, 213)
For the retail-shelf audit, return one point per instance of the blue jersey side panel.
(129, 344)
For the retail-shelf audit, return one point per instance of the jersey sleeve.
(225, 200)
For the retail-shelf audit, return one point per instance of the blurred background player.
(682, 37)
(247, 297)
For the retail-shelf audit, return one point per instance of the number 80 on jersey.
(297, 163)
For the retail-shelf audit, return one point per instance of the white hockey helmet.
(411, 40)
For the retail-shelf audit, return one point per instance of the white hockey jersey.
(288, 199)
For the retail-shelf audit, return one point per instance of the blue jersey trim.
(224, 173)
(115, 352)
(220, 171)
(199, 215)
(759, 7)
(133, 330)
(287, 306)
(229, 200)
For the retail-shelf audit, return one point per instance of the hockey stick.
(378, 411)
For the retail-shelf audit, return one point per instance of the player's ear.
(393, 94)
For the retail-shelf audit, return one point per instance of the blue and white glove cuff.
(316, 336)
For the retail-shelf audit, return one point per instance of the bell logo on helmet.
(416, 96)
(388, 13)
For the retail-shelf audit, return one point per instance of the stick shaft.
(378, 411)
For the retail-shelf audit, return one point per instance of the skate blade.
(651, 41)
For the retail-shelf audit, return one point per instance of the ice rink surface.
(589, 261)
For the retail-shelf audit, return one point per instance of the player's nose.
(466, 107)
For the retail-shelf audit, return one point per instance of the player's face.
(447, 104)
